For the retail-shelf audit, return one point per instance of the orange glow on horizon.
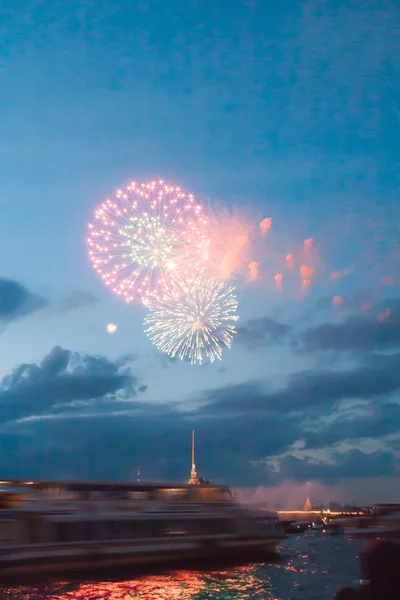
(316, 512)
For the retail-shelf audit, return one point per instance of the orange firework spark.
(253, 266)
(278, 278)
(337, 300)
(306, 273)
(307, 244)
(365, 307)
(344, 273)
(289, 261)
(382, 317)
(265, 224)
(388, 281)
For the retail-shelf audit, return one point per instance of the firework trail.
(337, 301)
(278, 280)
(340, 274)
(148, 232)
(253, 266)
(193, 320)
(306, 274)
(265, 225)
(289, 261)
(308, 244)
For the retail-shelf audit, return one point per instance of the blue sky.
(290, 110)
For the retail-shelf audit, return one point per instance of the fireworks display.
(193, 320)
(150, 231)
(153, 243)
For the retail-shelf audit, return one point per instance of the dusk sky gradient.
(286, 110)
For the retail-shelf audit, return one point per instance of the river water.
(311, 566)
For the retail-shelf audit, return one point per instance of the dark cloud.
(237, 397)
(394, 443)
(75, 300)
(55, 362)
(17, 301)
(111, 446)
(309, 389)
(60, 381)
(357, 333)
(375, 421)
(77, 415)
(88, 399)
(158, 439)
(262, 332)
(343, 465)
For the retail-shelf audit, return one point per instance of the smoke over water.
(291, 495)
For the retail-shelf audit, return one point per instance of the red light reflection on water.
(180, 585)
(176, 585)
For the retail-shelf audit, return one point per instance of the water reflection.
(311, 566)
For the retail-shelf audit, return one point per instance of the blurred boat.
(291, 527)
(69, 526)
(382, 522)
(334, 528)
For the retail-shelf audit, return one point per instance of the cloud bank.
(16, 301)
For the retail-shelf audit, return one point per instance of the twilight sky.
(286, 110)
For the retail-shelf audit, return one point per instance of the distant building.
(204, 481)
(335, 506)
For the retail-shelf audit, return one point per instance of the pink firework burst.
(149, 232)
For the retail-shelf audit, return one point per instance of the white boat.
(383, 521)
(68, 526)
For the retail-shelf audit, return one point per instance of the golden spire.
(193, 473)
